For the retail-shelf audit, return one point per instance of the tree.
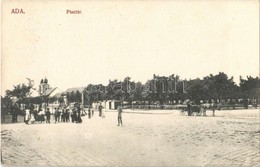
(22, 92)
(197, 90)
(19, 91)
(249, 89)
(78, 96)
(74, 96)
(221, 87)
(94, 93)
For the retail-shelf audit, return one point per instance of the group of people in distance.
(61, 114)
(119, 114)
(32, 115)
(64, 114)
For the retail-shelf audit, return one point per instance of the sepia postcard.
(130, 83)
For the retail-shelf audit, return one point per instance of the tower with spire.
(43, 87)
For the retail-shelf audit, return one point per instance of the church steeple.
(44, 86)
(45, 80)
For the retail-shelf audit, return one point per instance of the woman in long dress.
(32, 119)
(27, 115)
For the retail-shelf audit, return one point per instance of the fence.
(177, 106)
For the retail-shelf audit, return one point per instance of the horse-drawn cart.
(191, 109)
(194, 110)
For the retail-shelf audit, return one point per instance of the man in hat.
(100, 109)
(119, 116)
(48, 115)
(189, 107)
(56, 113)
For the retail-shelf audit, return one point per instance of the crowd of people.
(67, 115)
(60, 114)
(63, 114)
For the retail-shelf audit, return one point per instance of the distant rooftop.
(69, 90)
(80, 89)
(58, 95)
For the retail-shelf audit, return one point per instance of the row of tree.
(168, 90)
(160, 89)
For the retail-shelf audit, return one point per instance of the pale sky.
(115, 39)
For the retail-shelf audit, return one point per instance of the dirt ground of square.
(165, 138)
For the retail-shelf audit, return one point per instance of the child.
(32, 120)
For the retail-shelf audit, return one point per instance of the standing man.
(59, 114)
(79, 120)
(89, 113)
(63, 115)
(189, 108)
(119, 116)
(100, 109)
(204, 109)
(56, 113)
(73, 115)
(67, 114)
(214, 107)
(14, 111)
(48, 115)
